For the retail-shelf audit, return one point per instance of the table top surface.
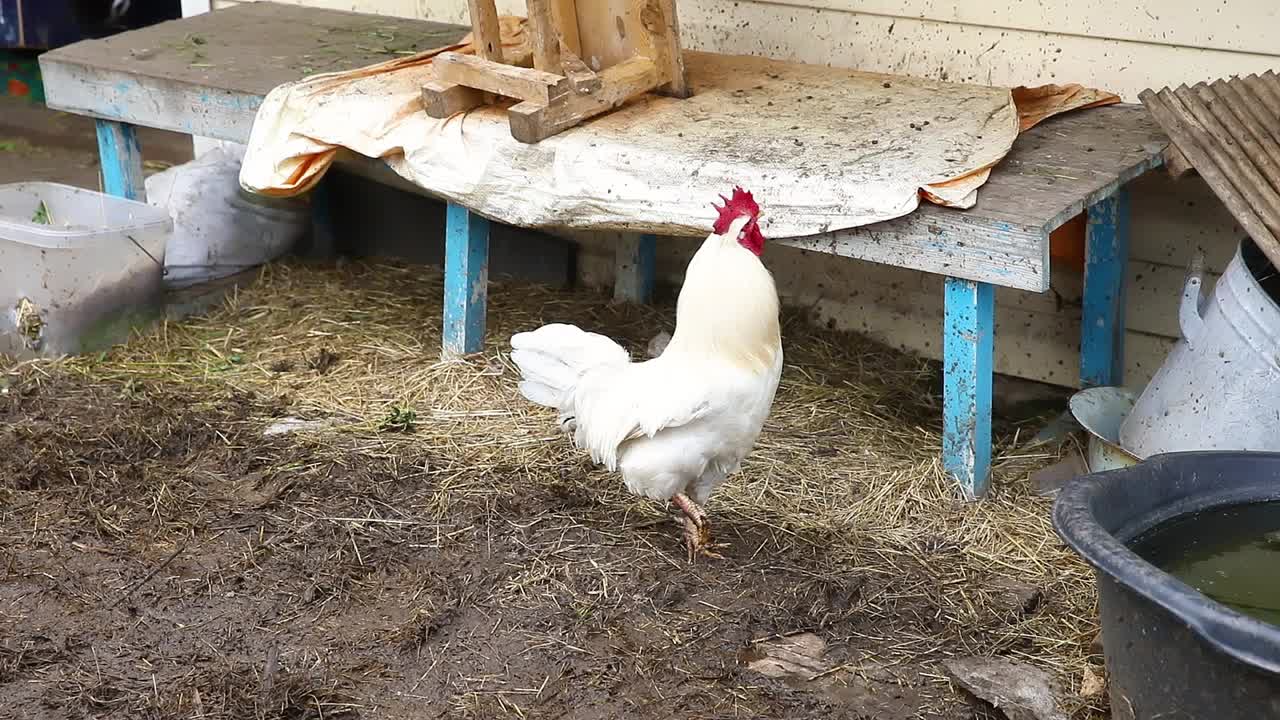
(1053, 172)
(254, 47)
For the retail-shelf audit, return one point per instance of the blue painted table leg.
(1102, 321)
(636, 261)
(324, 239)
(121, 160)
(466, 280)
(968, 345)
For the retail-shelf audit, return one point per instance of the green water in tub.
(1230, 554)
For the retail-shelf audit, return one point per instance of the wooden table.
(208, 74)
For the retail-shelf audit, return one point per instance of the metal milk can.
(1219, 388)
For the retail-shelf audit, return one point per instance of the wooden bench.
(171, 76)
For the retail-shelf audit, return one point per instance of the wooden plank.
(543, 37)
(324, 235)
(1065, 164)
(582, 78)
(532, 122)
(1102, 323)
(599, 25)
(507, 80)
(946, 242)
(466, 281)
(1053, 172)
(968, 345)
(441, 100)
(199, 145)
(635, 270)
(614, 31)
(486, 33)
(121, 160)
(150, 102)
(250, 49)
(659, 18)
(566, 17)
(1033, 343)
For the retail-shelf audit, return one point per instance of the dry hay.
(848, 463)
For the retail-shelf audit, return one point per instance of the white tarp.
(822, 149)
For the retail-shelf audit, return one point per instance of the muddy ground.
(161, 558)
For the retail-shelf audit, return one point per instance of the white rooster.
(679, 424)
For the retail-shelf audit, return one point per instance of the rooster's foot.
(697, 530)
(697, 540)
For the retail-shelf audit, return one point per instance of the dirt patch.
(161, 558)
(209, 522)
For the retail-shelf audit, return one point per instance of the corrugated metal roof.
(1229, 131)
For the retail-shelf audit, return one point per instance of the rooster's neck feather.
(728, 305)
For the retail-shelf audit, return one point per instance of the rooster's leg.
(697, 528)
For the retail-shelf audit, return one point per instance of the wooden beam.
(543, 37)
(582, 78)
(968, 348)
(486, 33)
(121, 160)
(660, 20)
(566, 17)
(442, 100)
(635, 268)
(532, 122)
(507, 80)
(604, 28)
(1102, 324)
(324, 236)
(466, 280)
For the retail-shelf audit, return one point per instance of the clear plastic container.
(78, 269)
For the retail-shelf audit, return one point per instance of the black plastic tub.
(1171, 652)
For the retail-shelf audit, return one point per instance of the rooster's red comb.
(738, 204)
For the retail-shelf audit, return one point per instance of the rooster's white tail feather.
(540, 393)
(553, 358)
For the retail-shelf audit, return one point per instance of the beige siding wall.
(1120, 47)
